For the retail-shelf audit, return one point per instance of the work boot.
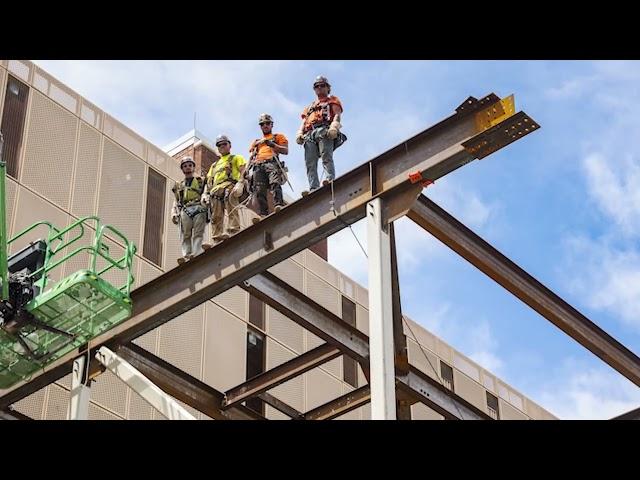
(221, 238)
(305, 193)
(325, 182)
(206, 246)
(181, 260)
(188, 257)
(231, 233)
(278, 207)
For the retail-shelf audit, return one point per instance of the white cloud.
(576, 392)
(606, 277)
(614, 185)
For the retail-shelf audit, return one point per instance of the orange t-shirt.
(316, 116)
(265, 152)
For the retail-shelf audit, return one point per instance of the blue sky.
(563, 203)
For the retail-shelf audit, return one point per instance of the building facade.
(66, 159)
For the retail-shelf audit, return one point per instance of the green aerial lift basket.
(64, 315)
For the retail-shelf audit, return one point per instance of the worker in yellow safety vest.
(187, 212)
(224, 187)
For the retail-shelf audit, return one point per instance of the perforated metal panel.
(157, 158)
(348, 287)
(284, 330)
(324, 294)
(50, 147)
(507, 412)
(444, 351)
(97, 413)
(422, 359)
(299, 257)
(65, 382)
(3, 80)
(33, 405)
(91, 114)
(420, 411)
(124, 136)
(321, 388)
(122, 180)
(362, 319)
(423, 337)
(139, 408)
(172, 233)
(57, 403)
(466, 366)
(311, 341)
(20, 68)
(362, 296)
(86, 176)
(290, 272)
(181, 341)
(34, 209)
(488, 381)
(146, 273)
(322, 269)
(334, 367)
(225, 349)
(235, 300)
(110, 392)
(291, 392)
(471, 391)
(273, 414)
(12, 189)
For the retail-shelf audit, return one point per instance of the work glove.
(175, 219)
(205, 199)
(238, 188)
(333, 130)
(299, 138)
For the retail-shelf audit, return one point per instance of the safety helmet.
(187, 160)
(222, 138)
(265, 117)
(321, 79)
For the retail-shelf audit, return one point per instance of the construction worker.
(265, 170)
(188, 212)
(223, 190)
(320, 133)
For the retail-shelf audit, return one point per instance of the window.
(15, 110)
(349, 365)
(256, 361)
(154, 217)
(256, 312)
(492, 406)
(446, 372)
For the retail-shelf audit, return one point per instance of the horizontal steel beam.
(11, 414)
(141, 385)
(280, 374)
(290, 302)
(182, 386)
(438, 397)
(431, 154)
(296, 306)
(281, 406)
(486, 258)
(341, 405)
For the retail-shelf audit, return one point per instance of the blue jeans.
(318, 145)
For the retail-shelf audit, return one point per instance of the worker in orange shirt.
(266, 171)
(320, 133)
